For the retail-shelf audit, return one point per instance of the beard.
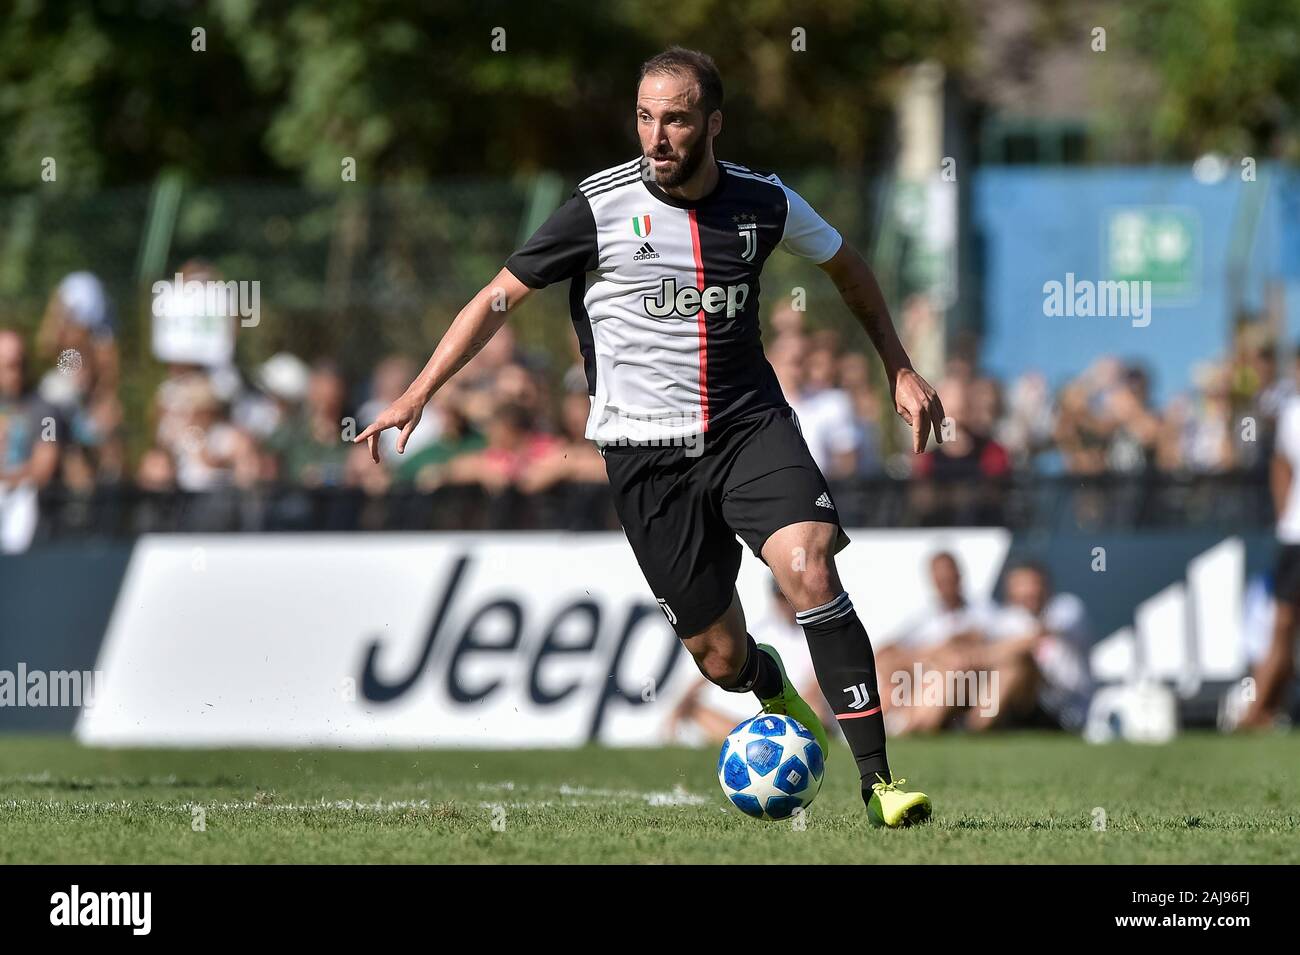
(683, 167)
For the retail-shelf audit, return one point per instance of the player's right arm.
(477, 322)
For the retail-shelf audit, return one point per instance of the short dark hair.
(679, 61)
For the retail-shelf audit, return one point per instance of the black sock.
(846, 670)
(760, 674)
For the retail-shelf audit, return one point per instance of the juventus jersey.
(664, 295)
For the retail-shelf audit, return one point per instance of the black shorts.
(1286, 574)
(682, 511)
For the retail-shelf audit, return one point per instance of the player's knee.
(813, 584)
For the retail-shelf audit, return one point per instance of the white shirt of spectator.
(1061, 658)
(193, 473)
(939, 625)
(1288, 445)
(827, 423)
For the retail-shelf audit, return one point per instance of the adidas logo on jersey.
(646, 251)
(824, 501)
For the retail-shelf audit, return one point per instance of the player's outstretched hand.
(918, 404)
(404, 413)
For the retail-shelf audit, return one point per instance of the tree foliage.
(287, 88)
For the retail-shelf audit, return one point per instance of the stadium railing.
(1237, 500)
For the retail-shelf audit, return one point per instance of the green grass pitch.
(1004, 799)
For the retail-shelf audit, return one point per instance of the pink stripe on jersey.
(704, 334)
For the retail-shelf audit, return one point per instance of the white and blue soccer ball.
(770, 766)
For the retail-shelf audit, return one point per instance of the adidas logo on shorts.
(824, 500)
(647, 251)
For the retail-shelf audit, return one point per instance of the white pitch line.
(571, 796)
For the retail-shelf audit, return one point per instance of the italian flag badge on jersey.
(641, 226)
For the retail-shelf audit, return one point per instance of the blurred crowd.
(510, 419)
(288, 420)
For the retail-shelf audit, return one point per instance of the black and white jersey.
(665, 295)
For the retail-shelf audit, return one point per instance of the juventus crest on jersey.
(665, 294)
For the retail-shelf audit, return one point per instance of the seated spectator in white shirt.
(1040, 645)
(950, 624)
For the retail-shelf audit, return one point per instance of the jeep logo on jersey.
(641, 226)
(690, 300)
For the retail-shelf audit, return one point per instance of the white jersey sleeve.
(1288, 448)
(1288, 432)
(807, 234)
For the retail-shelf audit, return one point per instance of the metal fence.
(1237, 502)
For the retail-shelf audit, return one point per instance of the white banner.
(436, 640)
(188, 330)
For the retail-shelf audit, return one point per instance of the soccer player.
(663, 254)
(1274, 672)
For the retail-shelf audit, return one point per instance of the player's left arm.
(914, 399)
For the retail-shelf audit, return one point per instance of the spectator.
(573, 459)
(29, 449)
(786, 320)
(80, 307)
(855, 378)
(192, 341)
(156, 472)
(1031, 654)
(951, 617)
(1026, 429)
(1133, 427)
(1206, 433)
(825, 414)
(1079, 433)
(310, 448)
(282, 385)
(513, 445)
(425, 468)
(210, 453)
(1040, 648)
(516, 384)
(76, 339)
(953, 480)
(965, 453)
(1263, 397)
(389, 380)
(944, 631)
(480, 378)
